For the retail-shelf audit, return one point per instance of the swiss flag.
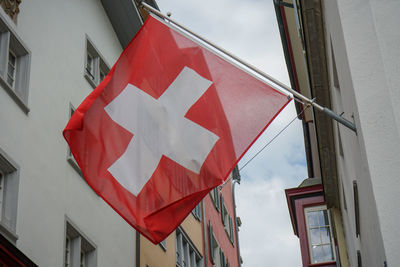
(166, 125)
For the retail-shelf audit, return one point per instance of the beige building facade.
(189, 236)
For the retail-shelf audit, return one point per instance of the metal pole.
(305, 99)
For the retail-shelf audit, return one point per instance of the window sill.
(17, 99)
(90, 80)
(8, 233)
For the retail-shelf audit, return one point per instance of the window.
(226, 220)
(14, 65)
(356, 208)
(344, 198)
(319, 234)
(236, 174)
(12, 68)
(216, 253)
(359, 259)
(70, 158)
(163, 244)
(9, 187)
(186, 253)
(215, 198)
(96, 68)
(90, 65)
(197, 211)
(67, 252)
(334, 69)
(222, 258)
(231, 229)
(79, 251)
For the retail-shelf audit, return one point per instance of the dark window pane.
(10, 81)
(12, 59)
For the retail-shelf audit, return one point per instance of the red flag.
(166, 125)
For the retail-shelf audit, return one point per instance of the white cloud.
(249, 30)
(284, 156)
(266, 235)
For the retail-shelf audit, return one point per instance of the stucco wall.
(365, 45)
(229, 249)
(154, 255)
(50, 189)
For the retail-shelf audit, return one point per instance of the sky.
(249, 30)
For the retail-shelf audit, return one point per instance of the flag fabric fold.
(166, 125)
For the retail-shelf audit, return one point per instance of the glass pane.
(10, 81)
(315, 236)
(82, 259)
(325, 235)
(323, 217)
(11, 59)
(322, 253)
(67, 248)
(11, 69)
(89, 64)
(312, 217)
(327, 252)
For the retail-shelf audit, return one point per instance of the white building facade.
(362, 41)
(345, 54)
(52, 55)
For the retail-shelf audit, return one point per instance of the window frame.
(9, 204)
(217, 255)
(15, 67)
(79, 243)
(197, 211)
(227, 220)
(214, 195)
(10, 41)
(186, 250)
(310, 246)
(100, 66)
(163, 245)
(356, 208)
(70, 158)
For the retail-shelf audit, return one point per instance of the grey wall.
(365, 41)
(50, 189)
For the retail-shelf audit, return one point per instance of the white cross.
(160, 128)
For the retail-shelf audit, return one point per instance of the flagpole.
(305, 99)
